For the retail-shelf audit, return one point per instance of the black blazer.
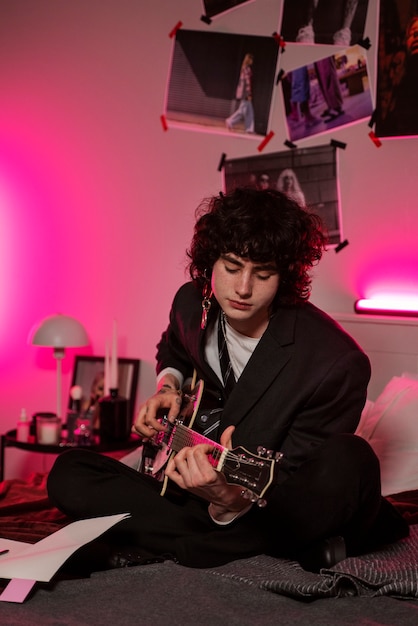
(307, 378)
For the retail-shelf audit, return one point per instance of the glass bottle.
(23, 427)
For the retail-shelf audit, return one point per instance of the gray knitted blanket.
(391, 571)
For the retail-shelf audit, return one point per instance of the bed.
(379, 588)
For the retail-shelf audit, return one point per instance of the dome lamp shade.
(59, 332)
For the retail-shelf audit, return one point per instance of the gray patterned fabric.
(391, 571)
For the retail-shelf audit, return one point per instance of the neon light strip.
(388, 305)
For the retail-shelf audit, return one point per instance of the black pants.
(337, 491)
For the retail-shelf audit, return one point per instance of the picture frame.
(213, 8)
(397, 62)
(312, 175)
(331, 92)
(88, 370)
(209, 90)
(331, 22)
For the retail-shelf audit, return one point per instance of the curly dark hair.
(262, 226)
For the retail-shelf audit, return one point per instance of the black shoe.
(388, 527)
(325, 554)
(326, 113)
(129, 557)
(332, 115)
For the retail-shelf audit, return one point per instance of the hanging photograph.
(335, 22)
(307, 175)
(329, 93)
(397, 73)
(222, 83)
(217, 7)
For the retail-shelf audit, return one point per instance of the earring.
(206, 304)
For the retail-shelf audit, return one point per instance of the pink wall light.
(388, 304)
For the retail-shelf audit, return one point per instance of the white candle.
(48, 431)
(107, 370)
(114, 358)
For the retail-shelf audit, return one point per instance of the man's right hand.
(167, 398)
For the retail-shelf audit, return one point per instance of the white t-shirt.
(240, 348)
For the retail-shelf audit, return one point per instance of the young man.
(297, 386)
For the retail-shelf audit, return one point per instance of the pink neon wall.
(97, 201)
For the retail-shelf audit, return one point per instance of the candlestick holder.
(114, 418)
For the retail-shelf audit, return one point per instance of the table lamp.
(59, 332)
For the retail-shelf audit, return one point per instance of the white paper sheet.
(40, 561)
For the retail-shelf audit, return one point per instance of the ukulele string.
(184, 437)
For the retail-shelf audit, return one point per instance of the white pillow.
(390, 425)
(362, 425)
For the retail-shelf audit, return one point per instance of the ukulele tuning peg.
(261, 450)
(249, 495)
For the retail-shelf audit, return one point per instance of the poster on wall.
(327, 94)
(397, 73)
(220, 82)
(217, 7)
(308, 175)
(335, 22)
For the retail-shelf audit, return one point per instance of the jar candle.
(48, 430)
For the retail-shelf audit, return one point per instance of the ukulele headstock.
(253, 472)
